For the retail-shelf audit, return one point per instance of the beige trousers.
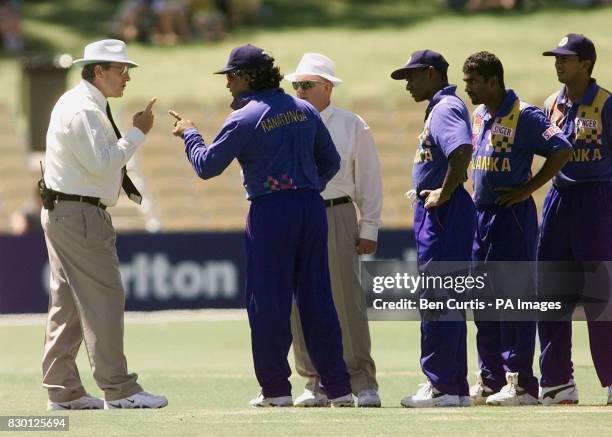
(86, 303)
(350, 303)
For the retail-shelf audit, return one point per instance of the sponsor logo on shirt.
(477, 127)
(504, 131)
(551, 132)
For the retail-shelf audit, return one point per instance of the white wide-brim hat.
(316, 64)
(107, 50)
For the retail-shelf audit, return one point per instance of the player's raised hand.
(180, 124)
(143, 120)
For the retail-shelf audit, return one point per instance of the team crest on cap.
(563, 41)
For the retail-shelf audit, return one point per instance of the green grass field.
(205, 369)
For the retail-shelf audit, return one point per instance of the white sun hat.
(317, 64)
(106, 50)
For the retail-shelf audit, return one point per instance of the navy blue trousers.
(286, 242)
(445, 233)
(577, 226)
(507, 234)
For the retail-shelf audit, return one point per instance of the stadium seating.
(176, 200)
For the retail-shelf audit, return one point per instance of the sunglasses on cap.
(305, 84)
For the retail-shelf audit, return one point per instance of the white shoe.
(86, 402)
(279, 401)
(564, 394)
(465, 401)
(610, 395)
(429, 396)
(368, 399)
(479, 392)
(511, 394)
(342, 401)
(139, 400)
(310, 399)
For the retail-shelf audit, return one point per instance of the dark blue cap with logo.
(574, 44)
(422, 59)
(246, 57)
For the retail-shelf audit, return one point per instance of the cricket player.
(444, 219)
(577, 222)
(287, 156)
(506, 134)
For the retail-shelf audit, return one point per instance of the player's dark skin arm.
(458, 162)
(552, 165)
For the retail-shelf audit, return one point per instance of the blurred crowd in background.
(492, 5)
(10, 26)
(168, 22)
(171, 21)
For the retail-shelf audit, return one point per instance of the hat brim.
(292, 77)
(559, 51)
(400, 73)
(82, 62)
(225, 70)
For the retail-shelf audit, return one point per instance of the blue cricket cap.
(246, 57)
(422, 59)
(574, 44)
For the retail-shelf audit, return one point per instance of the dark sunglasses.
(304, 84)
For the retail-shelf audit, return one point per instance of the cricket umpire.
(287, 156)
(85, 169)
(444, 219)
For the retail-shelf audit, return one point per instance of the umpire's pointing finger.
(150, 104)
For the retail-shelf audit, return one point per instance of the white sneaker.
(565, 394)
(139, 400)
(479, 392)
(610, 395)
(279, 401)
(86, 402)
(368, 399)
(310, 399)
(465, 401)
(511, 394)
(429, 396)
(342, 401)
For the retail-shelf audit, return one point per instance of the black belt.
(337, 201)
(87, 199)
